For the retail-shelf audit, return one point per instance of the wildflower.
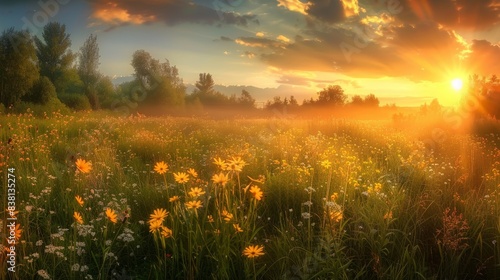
(235, 164)
(195, 204)
(181, 177)
(195, 192)
(154, 225)
(18, 231)
(326, 164)
(158, 215)
(237, 228)
(334, 196)
(166, 232)
(220, 178)
(336, 215)
(210, 218)
(161, 167)
(79, 200)
(253, 251)
(256, 192)
(83, 166)
(220, 163)
(110, 213)
(388, 215)
(174, 198)
(192, 172)
(44, 274)
(227, 216)
(78, 217)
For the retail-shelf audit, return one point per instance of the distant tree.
(357, 100)
(333, 95)
(18, 66)
(88, 69)
(205, 84)
(55, 56)
(293, 101)
(246, 100)
(435, 107)
(160, 82)
(371, 101)
(106, 93)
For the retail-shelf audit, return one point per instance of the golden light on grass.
(457, 84)
(83, 165)
(253, 251)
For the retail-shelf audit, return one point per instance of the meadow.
(110, 197)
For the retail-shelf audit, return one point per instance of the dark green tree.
(54, 55)
(18, 66)
(205, 84)
(333, 95)
(88, 69)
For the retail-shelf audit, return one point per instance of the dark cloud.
(226, 39)
(170, 12)
(330, 11)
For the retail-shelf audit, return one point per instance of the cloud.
(225, 39)
(171, 12)
(248, 54)
(283, 38)
(259, 34)
(483, 58)
(294, 5)
(467, 14)
(258, 42)
(330, 11)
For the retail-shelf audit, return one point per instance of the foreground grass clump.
(179, 198)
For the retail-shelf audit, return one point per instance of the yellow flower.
(110, 213)
(253, 251)
(79, 200)
(181, 177)
(161, 167)
(18, 231)
(220, 178)
(195, 192)
(336, 215)
(154, 225)
(192, 172)
(256, 192)
(195, 204)
(174, 198)
(220, 163)
(326, 164)
(237, 228)
(210, 218)
(388, 215)
(227, 216)
(83, 166)
(158, 215)
(166, 232)
(78, 217)
(235, 164)
(334, 196)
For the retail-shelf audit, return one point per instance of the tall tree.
(18, 65)
(205, 84)
(54, 54)
(88, 69)
(333, 95)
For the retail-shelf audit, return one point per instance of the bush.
(42, 91)
(76, 102)
(39, 110)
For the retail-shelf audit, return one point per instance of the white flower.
(43, 274)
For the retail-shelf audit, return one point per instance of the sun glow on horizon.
(457, 84)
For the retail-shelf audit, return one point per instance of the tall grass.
(341, 199)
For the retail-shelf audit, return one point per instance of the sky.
(404, 51)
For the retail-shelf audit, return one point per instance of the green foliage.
(105, 92)
(88, 69)
(53, 105)
(332, 95)
(77, 102)
(43, 91)
(54, 55)
(18, 66)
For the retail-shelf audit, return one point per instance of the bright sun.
(457, 84)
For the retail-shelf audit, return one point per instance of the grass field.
(185, 198)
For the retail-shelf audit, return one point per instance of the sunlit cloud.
(113, 14)
(283, 38)
(351, 7)
(260, 34)
(294, 5)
